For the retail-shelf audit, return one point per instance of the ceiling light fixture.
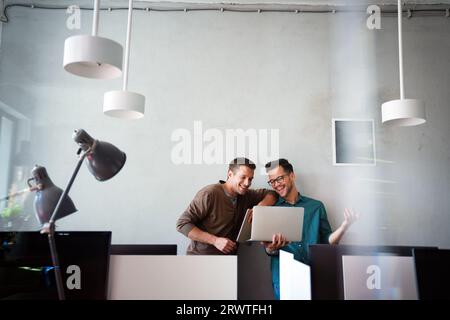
(402, 112)
(92, 56)
(123, 103)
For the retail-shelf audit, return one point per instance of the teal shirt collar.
(282, 201)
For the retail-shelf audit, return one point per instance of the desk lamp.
(104, 161)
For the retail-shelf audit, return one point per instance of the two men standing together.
(213, 218)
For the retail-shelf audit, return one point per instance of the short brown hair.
(237, 162)
(287, 167)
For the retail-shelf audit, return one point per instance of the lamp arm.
(14, 194)
(55, 261)
(51, 229)
(69, 186)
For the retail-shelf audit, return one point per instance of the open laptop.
(268, 221)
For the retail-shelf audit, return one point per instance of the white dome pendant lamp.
(91, 56)
(402, 112)
(123, 103)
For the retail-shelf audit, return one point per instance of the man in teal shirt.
(316, 228)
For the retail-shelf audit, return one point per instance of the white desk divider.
(295, 278)
(172, 277)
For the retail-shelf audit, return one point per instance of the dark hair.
(287, 167)
(237, 162)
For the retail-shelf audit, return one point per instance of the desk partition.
(158, 277)
(433, 273)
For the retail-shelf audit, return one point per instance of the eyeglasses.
(276, 180)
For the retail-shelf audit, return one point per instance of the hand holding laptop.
(278, 242)
(249, 215)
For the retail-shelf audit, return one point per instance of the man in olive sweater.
(213, 218)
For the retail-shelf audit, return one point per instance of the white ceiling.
(309, 2)
(237, 2)
(387, 6)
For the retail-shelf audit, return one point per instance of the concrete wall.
(292, 72)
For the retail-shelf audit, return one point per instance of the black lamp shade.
(104, 160)
(47, 197)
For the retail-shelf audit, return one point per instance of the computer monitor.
(432, 272)
(379, 277)
(326, 266)
(26, 270)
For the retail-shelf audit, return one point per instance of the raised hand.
(349, 217)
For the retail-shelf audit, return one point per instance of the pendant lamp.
(123, 103)
(92, 56)
(402, 112)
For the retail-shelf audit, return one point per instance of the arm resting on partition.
(223, 244)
